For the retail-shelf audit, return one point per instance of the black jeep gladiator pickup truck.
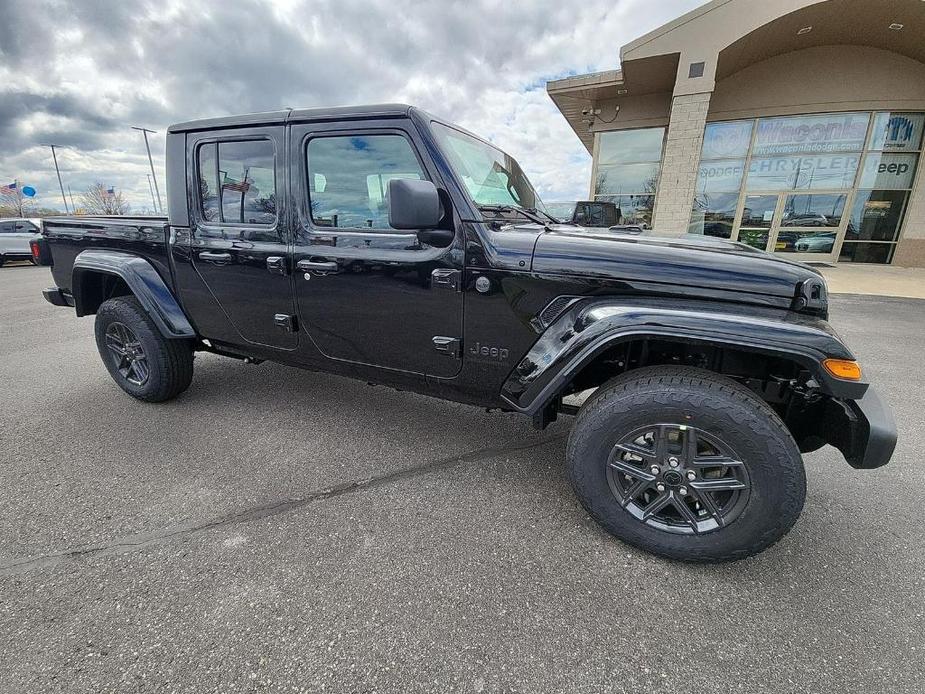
(387, 245)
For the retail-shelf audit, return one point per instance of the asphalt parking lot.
(277, 530)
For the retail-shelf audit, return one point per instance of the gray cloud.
(80, 73)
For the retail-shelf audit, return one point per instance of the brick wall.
(680, 163)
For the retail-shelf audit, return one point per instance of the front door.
(239, 240)
(367, 293)
(804, 226)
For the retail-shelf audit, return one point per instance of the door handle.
(277, 265)
(326, 266)
(211, 257)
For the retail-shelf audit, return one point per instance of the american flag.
(232, 184)
(10, 188)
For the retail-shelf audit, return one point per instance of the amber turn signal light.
(843, 368)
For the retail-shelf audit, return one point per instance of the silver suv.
(15, 234)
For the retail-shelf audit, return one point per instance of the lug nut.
(660, 487)
(682, 491)
(654, 469)
(691, 475)
(673, 462)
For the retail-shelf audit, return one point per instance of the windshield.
(490, 175)
(563, 211)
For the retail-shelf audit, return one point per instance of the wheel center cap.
(673, 477)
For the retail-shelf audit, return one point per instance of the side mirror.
(416, 205)
(413, 204)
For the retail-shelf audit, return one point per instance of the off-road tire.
(716, 405)
(169, 362)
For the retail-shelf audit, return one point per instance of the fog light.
(843, 368)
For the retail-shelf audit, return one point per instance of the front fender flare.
(589, 328)
(143, 281)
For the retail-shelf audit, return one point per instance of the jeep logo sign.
(890, 171)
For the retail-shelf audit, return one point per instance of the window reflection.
(813, 210)
(714, 214)
(349, 178)
(627, 171)
(876, 215)
(237, 183)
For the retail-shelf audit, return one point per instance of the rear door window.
(237, 182)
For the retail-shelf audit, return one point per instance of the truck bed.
(68, 236)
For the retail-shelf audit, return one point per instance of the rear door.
(239, 240)
(367, 293)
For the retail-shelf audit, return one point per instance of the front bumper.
(58, 297)
(863, 430)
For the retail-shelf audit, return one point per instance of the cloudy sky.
(81, 73)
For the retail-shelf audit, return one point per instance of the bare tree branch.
(98, 200)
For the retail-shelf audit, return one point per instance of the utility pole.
(153, 201)
(71, 193)
(145, 132)
(58, 171)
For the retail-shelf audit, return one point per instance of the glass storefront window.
(813, 210)
(793, 177)
(721, 176)
(805, 241)
(630, 146)
(890, 171)
(714, 214)
(817, 134)
(876, 214)
(633, 209)
(628, 164)
(759, 211)
(726, 140)
(853, 252)
(626, 178)
(756, 238)
(806, 172)
(897, 132)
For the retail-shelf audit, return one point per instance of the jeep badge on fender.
(434, 267)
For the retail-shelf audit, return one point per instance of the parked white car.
(15, 234)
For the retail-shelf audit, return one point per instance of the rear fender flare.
(588, 329)
(142, 280)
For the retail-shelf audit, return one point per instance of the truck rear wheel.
(686, 464)
(144, 363)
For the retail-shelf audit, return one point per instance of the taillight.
(41, 253)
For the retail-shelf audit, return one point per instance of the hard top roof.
(292, 116)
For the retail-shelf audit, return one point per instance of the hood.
(690, 262)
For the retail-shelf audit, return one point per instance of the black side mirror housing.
(413, 204)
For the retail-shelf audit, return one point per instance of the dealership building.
(794, 126)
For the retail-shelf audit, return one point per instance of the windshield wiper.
(536, 210)
(532, 215)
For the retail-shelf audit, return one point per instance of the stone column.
(681, 161)
(910, 251)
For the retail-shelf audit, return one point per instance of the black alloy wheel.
(678, 478)
(127, 353)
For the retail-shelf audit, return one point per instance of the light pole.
(58, 171)
(145, 132)
(153, 201)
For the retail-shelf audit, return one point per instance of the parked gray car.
(15, 234)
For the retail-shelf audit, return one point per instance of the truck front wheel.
(144, 363)
(686, 464)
